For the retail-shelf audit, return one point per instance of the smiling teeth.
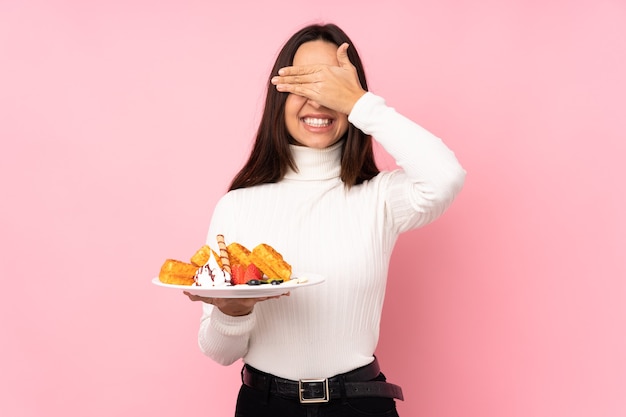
(311, 121)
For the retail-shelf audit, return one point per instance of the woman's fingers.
(210, 300)
(297, 77)
(302, 73)
(293, 73)
(334, 87)
(194, 297)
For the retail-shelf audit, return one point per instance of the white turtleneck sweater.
(343, 234)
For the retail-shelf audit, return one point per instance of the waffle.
(202, 256)
(238, 254)
(177, 272)
(270, 262)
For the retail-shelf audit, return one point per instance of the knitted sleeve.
(430, 177)
(224, 338)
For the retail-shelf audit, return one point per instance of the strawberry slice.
(252, 272)
(237, 274)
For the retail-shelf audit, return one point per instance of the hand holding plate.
(232, 306)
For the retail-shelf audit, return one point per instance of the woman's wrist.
(235, 307)
(234, 312)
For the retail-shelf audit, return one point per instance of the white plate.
(248, 291)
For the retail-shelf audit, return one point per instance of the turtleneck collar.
(316, 164)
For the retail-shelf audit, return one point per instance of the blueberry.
(254, 282)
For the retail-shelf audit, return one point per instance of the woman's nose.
(313, 104)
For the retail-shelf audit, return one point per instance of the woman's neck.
(316, 164)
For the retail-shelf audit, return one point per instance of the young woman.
(311, 189)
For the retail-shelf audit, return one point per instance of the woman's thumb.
(342, 55)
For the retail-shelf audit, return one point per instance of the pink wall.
(121, 123)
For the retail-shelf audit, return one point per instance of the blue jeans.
(257, 403)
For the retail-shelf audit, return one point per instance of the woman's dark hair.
(271, 157)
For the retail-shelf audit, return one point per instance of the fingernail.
(281, 71)
(274, 80)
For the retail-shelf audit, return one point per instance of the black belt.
(353, 384)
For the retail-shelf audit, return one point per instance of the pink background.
(122, 122)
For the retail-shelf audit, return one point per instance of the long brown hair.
(271, 157)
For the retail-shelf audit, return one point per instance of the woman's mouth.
(317, 122)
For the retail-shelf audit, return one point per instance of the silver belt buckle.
(302, 383)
